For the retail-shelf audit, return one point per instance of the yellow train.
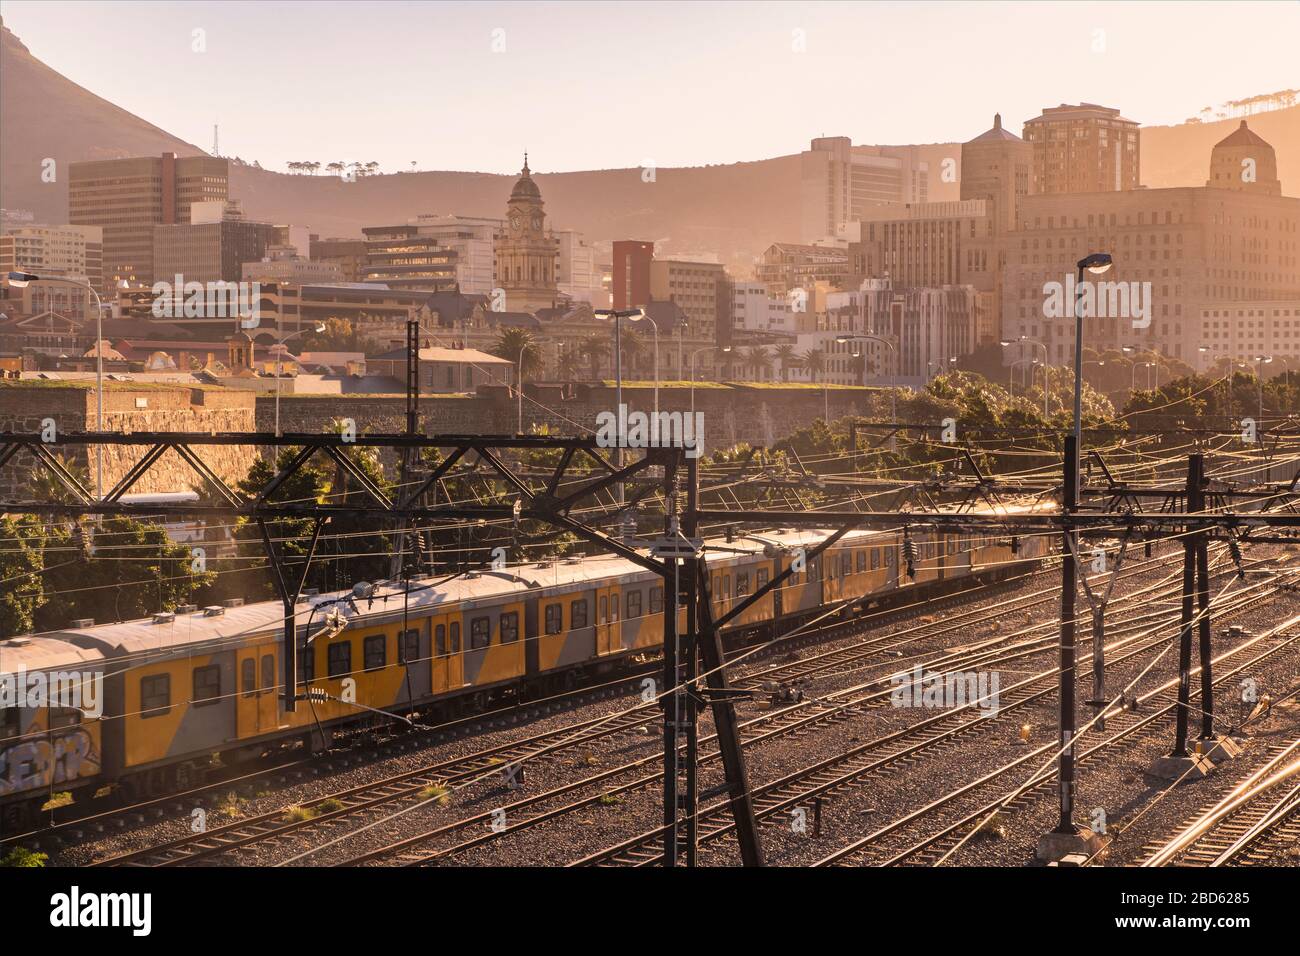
(146, 705)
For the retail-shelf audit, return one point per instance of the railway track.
(882, 755)
(1258, 817)
(411, 787)
(899, 842)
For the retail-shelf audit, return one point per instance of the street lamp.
(1096, 264)
(618, 315)
(1132, 375)
(707, 348)
(893, 368)
(20, 280)
(682, 326)
(1260, 362)
(279, 349)
(654, 325)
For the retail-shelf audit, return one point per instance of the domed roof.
(997, 134)
(1243, 135)
(525, 188)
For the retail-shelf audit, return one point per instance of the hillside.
(735, 210)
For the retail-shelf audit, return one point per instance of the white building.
(755, 310)
(839, 180)
(472, 238)
(577, 274)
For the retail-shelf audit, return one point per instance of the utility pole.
(1068, 588)
(1194, 466)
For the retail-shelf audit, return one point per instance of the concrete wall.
(24, 406)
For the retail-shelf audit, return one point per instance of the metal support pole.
(1203, 608)
(670, 698)
(690, 649)
(1069, 587)
(1194, 465)
(1099, 662)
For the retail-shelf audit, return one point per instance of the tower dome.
(525, 188)
(1246, 162)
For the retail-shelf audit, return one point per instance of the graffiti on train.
(52, 759)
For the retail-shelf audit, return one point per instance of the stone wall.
(24, 406)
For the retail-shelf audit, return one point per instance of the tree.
(814, 360)
(21, 562)
(340, 335)
(512, 342)
(785, 353)
(569, 366)
(595, 350)
(757, 360)
(633, 346)
(336, 168)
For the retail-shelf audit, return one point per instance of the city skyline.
(770, 78)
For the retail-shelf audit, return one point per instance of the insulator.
(909, 553)
(1234, 548)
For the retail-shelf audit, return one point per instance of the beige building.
(700, 289)
(129, 197)
(73, 252)
(1083, 149)
(839, 181)
(1196, 254)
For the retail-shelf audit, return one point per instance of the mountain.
(735, 210)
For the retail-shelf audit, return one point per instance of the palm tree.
(594, 350)
(517, 345)
(814, 360)
(569, 366)
(335, 167)
(788, 360)
(633, 348)
(758, 360)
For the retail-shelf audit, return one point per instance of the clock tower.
(526, 253)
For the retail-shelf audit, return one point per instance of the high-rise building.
(129, 197)
(701, 289)
(74, 252)
(839, 181)
(786, 266)
(404, 257)
(997, 166)
(576, 273)
(526, 252)
(348, 254)
(209, 251)
(1083, 149)
(472, 238)
(631, 273)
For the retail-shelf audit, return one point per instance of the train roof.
(211, 628)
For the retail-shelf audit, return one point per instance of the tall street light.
(1033, 341)
(1096, 264)
(20, 280)
(1260, 362)
(893, 368)
(279, 349)
(654, 325)
(618, 315)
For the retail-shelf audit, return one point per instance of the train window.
(875, 559)
(374, 651)
(726, 585)
(862, 560)
(440, 640)
(248, 677)
(408, 646)
(268, 673)
(306, 664)
(603, 617)
(455, 637)
(554, 618)
(207, 684)
(760, 577)
(510, 627)
(742, 583)
(613, 609)
(846, 563)
(578, 613)
(633, 604)
(657, 599)
(480, 632)
(155, 695)
(340, 658)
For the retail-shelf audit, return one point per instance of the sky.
(592, 85)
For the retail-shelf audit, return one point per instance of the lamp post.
(682, 326)
(20, 280)
(707, 348)
(1132, 375)
(519, 393)
(654, 325)
(1097, 263)
(1260, 362)
(893, 368)
(617, 315)
(1032, 341)
(279, 349)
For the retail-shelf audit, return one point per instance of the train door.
(268, 694)
(609, 631)
(446, 672)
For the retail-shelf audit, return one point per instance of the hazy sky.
(607, 84)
